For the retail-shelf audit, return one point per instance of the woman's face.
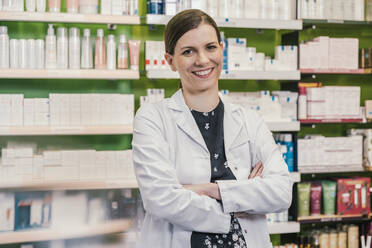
(198, 59)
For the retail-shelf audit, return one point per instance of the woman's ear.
(169, 58)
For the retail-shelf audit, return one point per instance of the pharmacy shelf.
(68, 74)
(234, 75)
(284, 227)
(238, 22)
(336, 71)
(67, 18)
(284, 126)
(332, 218)
(72, 232)
(330, 169)
(73, 130)
(317, 121)
(330, 21)
(72, 185)
(296, 177)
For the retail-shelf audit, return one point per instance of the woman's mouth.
(203, 73)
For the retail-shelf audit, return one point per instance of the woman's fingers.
(257, 170)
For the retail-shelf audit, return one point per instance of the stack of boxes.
(153, 96)
(67, 110)
(330, 154)
(329, 53)
(21, 164)
(281, 106)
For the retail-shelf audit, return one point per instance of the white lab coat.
(169, 151)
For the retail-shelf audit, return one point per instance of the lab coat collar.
(233, 121)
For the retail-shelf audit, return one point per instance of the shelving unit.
(235, 75)
(284, 126)
(284, 227)
(72, 185)
(68, 18)
(68, 74)
(318, 121)
(296, 177)
(341, 22)
(72, 130)
(237, 23)
(325, 169)
(332, 218)
(72, 232)
(336, 71)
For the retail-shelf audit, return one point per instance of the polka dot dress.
(211, 127)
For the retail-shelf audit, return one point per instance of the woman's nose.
(201, 58)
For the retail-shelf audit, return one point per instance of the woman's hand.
(257, 170)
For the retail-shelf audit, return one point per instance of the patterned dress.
(211, 127)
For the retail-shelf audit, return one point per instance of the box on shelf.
(353, 196)
(320, 153)
(368, 109)
(7, 203)
(367, 145)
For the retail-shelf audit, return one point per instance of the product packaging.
(40, 54)
(134, 50)
(13, 53)
(72, 6)
(86, 53)
(329, 197)
(303, 196)
(74, 48)
(123, 52)
(30, 5)
(22, 54)
(40, 5)
(100, 53)
(111, 52)
(4, 47)
(353, 196)
(88, 7)
(50, 49)
(54, 6)
(62, 48)
(316, 198)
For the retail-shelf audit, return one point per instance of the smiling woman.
(208, 171)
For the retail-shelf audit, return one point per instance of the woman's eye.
(187, 52)
(211, 47)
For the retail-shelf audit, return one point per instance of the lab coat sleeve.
(269, 194)
(163, 196)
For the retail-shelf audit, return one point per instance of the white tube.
(30, 53)
(62, 48)
(133, 8)
(50, 49)
(123, 53)
(30, 5)
(40, 5)
(74, 48)
(22, 60)
(111, 52)
(13, 53)
(4, 47)
(86, 53)
(40, 54)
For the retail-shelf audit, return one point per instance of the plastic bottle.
(30, 54)
(224, 52)
(123, 52)
(50, 49)
(86, 53)
(40, 54)
(100, 52)
(13, 50)
(54, 6)
(302, 103)
(62, 48)
(40, 5)
(4, 47)
(111, 52)
(155, 7)
(30, 5)
(72, 6)
(74, 48)
(288, 142)
(22, 54)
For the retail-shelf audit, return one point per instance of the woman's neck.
(204, 101)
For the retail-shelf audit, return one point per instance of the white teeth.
(203, 73)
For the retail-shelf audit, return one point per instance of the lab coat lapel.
(234, 133)
(184, 119)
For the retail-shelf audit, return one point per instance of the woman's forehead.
(201, 35)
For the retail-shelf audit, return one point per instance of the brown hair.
(184, 22)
